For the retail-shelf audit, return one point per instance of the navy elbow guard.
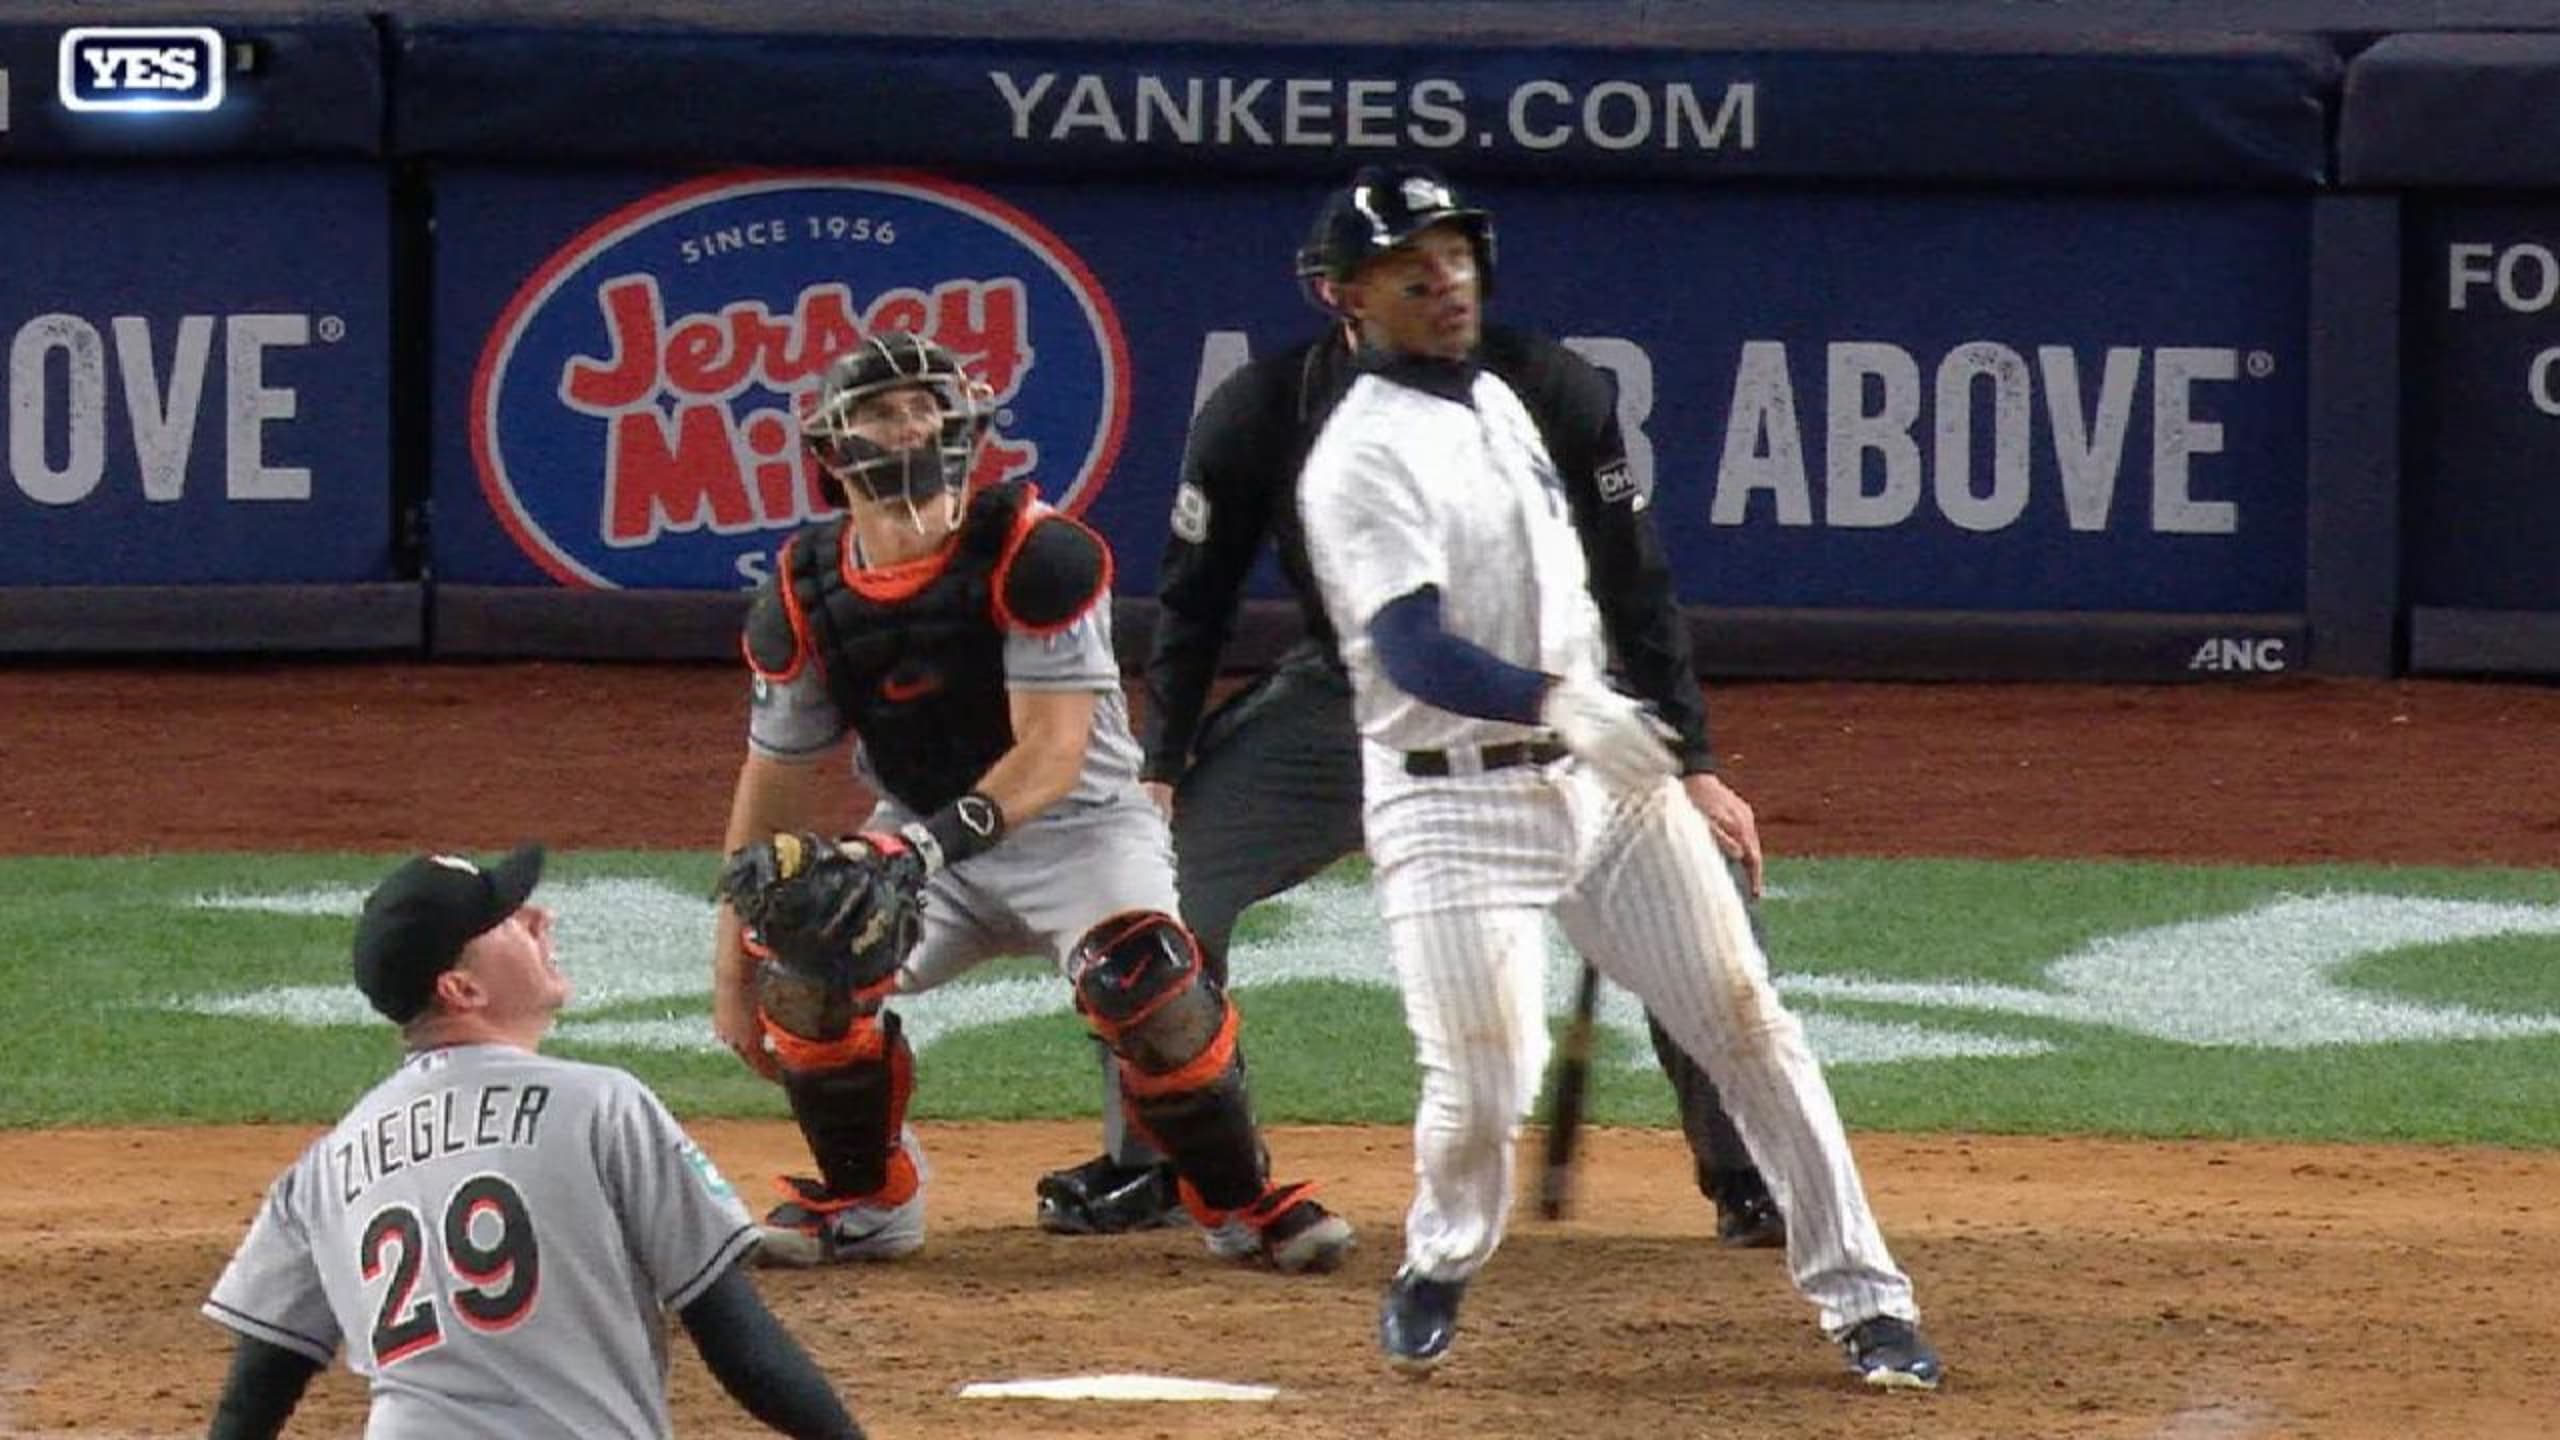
(970, 825)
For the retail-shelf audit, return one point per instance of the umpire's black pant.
(1273, 797)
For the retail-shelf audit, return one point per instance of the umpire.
(1264, 790)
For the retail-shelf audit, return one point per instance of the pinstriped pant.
(1468, 867)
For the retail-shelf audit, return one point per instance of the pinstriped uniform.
(1436, 476)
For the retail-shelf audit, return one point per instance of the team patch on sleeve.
(712, 1179)
(1052, 573)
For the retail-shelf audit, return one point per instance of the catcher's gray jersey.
(496, 1237)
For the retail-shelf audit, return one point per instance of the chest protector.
(919, 672)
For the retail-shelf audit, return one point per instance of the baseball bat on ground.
(1572, 1086)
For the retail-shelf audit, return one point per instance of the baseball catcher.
(954, 633)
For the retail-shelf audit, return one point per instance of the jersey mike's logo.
(634, 415)
(118, 67)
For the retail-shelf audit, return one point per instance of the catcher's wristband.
(970, 825)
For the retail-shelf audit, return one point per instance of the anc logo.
(634, 413)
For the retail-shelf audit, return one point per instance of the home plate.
(1115, 1387)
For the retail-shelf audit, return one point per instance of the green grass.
(97, 956)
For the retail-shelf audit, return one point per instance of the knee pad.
(849, 1096)
(1142, 988)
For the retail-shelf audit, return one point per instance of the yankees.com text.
(1255, 111)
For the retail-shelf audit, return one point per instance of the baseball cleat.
(1417, 1320)
(1888, 1353)
(1287, 1228)
(1103, 1197)
(1307, 1239)
(1751, 1223)
(815, 1226)
(814, 1230)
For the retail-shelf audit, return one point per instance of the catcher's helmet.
(1383, 207)
(889, 360)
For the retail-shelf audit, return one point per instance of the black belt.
(1431, 764)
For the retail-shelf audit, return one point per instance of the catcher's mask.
(1383, 207)
(913, 476)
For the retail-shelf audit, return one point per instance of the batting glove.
(1613, 735)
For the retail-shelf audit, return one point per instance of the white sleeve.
(271, 1290)
(1369, 530)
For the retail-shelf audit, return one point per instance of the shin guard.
(849, 1096)
(1143, 990)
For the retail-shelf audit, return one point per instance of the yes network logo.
(140, 68)
(635, 409)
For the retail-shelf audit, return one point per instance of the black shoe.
(1889, 1354)
(1104, 1197)
(1418, 1320)
(1750, 1222)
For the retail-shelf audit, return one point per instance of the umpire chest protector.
(916, 667)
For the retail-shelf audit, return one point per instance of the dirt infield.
(2204, 1291)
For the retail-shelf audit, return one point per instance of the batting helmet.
(1383, 207)
(891, 360)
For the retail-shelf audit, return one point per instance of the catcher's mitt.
(843, 911)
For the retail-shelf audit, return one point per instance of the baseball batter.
(493, 1235)
(1264, 790)
(1505, 780)
(965, 639)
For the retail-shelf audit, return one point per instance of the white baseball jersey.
(1429, 475)
(496, 1237)
(1407, 488)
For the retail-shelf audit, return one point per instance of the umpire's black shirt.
(1239, 488)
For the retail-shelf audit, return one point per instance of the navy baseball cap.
(417, 920)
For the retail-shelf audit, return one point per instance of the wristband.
(968, 826)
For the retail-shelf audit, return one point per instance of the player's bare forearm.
(1051, 729)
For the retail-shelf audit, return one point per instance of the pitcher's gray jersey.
(496, 1238)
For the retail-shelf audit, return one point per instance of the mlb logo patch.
(140, 68)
